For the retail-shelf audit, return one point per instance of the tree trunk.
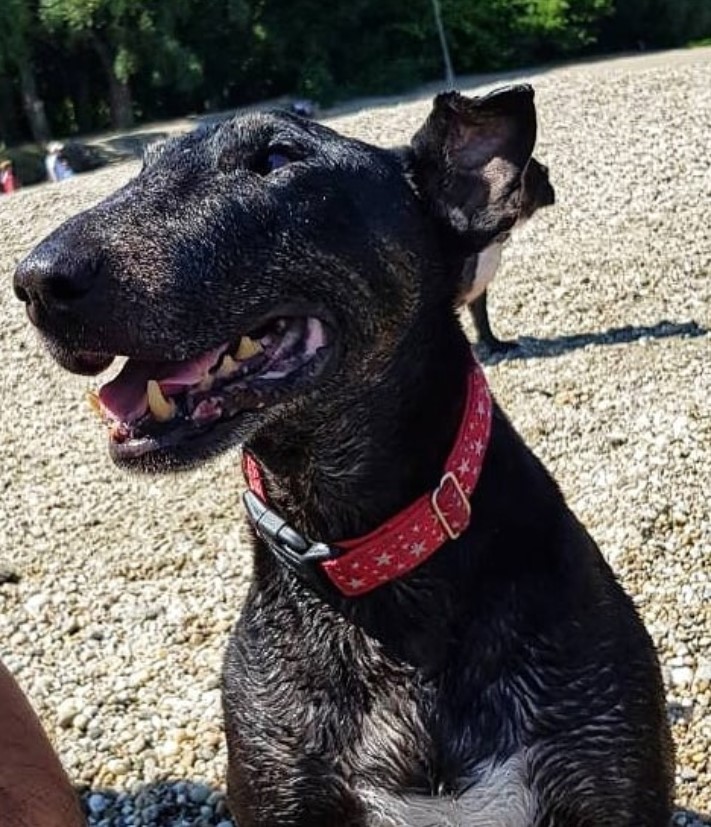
(120, 100)
(121, 103)
(33, 106)
(81, 97)
(10, 129)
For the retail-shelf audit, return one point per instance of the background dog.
(537, 192)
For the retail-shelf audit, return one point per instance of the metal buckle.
(450, 477)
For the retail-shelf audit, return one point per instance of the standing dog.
(536, 192)
(467, 659)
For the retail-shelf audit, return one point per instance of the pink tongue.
(124, 398)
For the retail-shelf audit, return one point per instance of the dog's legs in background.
(480, 317)
(477, 280)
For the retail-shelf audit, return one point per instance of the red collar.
(412, 536)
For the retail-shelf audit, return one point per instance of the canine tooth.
(247, 348)
(162, 409)
(228, 367)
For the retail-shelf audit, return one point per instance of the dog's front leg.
(480, 316)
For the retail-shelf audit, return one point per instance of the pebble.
(36, 603)
(96, 804)
(67, 712)
(130, 585)
(703, 672)
(682, 675)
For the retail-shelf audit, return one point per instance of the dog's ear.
(469, 158)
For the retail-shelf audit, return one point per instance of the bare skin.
(34, 789)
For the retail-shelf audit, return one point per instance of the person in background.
(8, 180)
(34, 789)
(56, 165)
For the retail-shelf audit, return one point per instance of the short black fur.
(508, 681)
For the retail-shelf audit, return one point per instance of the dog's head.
(254, 265)
(537, 190)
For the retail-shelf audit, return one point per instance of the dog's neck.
(350, 462)
(360, 458)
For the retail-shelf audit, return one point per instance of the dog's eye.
(275, 158)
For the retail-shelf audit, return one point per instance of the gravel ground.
(128, 586)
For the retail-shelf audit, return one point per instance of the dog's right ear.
(469, 158)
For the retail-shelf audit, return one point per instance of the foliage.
(14, 38)
(97, 62)
(645, 24)
(561, 27)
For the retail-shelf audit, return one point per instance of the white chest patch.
(500, 799)
(487, 264)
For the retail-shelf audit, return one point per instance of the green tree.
(481, 32)
(16, 40)
(562, 27)
(643, 24)
(218, 33)
(123, 34)
(328, 51)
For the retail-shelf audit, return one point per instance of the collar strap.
(406, 540)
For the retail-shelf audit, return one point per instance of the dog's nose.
(55, 274)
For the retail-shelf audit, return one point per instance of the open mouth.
(152, 405)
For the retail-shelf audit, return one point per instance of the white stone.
(67, 711)
(682, 675)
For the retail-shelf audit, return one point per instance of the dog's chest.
(500, 797)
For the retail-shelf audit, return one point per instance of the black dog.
(537, 192)
(471, 661)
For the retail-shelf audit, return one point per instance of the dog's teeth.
(227, 367)
(92, 397)
(247, 348)
(162, 409)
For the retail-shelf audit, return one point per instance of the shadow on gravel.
(529, 347)
(169, 803)
(688, 818)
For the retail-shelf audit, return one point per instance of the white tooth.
(228, 367)
(92, 397)
(247, 348)
(162, 409)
